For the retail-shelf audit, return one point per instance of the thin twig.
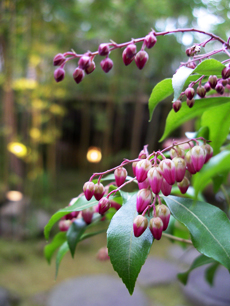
(177, 238)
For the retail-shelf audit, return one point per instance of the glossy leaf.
(216, 165)
(127, 253)
(209, 67)
(160, 92)
(174, 120)
(60, 254)
(80, 204)
(208, 225)
(198, 262)
(210, 272)
(217, 119)
(179, 79)
(74, 234)
(57, 241)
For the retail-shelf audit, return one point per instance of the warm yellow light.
(94, 155)
(35, 133)
(14, 195)
(17, 148)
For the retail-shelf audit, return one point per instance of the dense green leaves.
(127, 253)
(161, 91)
(174, 120)
(80, 204)
(216, 165)
(208, 225)
(198, 262)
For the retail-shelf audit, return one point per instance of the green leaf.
(218, 180)
(179, 79)
(217, 119)
(216, 165)
(127, 253)
(60, 254)
(210, 272)
(174, 120)
(209, 67)
(161, 91)
(74, 234)
(80, 204)
(208, 225)
(198, 262)
(49, 249)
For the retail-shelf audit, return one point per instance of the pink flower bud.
(190, 103)
(59, 74)
(198, 157)
(191, 65)
(88, 190)
(177, 151)
(103, 49)
(183, 185)
(73, 214)
(224, 82)
(201, 91)
(225, 73)
(120, 176)
(140, 224)
(155, 179)
(131, 50)
(208, 152)
(99, 191)
(142, 154)
(165, 188)
(87, 214)
(134, 165)
(177, 105)
(103, 206)
(58, 59)
(78, 75)
(126, 59)
(156, 227)
(144, 198)
(102, 254)
(150, 40)
(212, 81)
(190, 92)
(142, 169)
(219, 88)
(141, 58)
(84, 62)
(180, 168)
(167, 168)
(90, 68)
(106, 64)
(163, 212)
(143, 185)
(64, 225)
(207, 87)
(115, 205)
(189, 163)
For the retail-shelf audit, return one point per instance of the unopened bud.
(190, 103)
(103, 49)
(102, 254)
(219, 88)
(150, 40)
(163, 212)
(143, 185)
(191, 65)
(131, 50)
(103, 206)
(156, 227)
(180, 168)
(142, 154)
(59, 74)
(212, 80)
(177, 105)
(87, 214)
(198, 157)
(224, 82)
(58, 59)
(141, 58)
(201, 91)
(208, 152)
(84, 62)
(127, 60)
(190, 92)
(165, 188)
(106, 65)
(225, 73)
(88, 190)
(134, 165)
(167, 168)
(144, 198)
(140, 224)
(177, 151)
(78, 75)
(64, 225)
(142, 169)
(120, 176)
(99, 191)
(189, 163)
(207, 87)
(155, 179)
(183, 185)
(90, 68)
